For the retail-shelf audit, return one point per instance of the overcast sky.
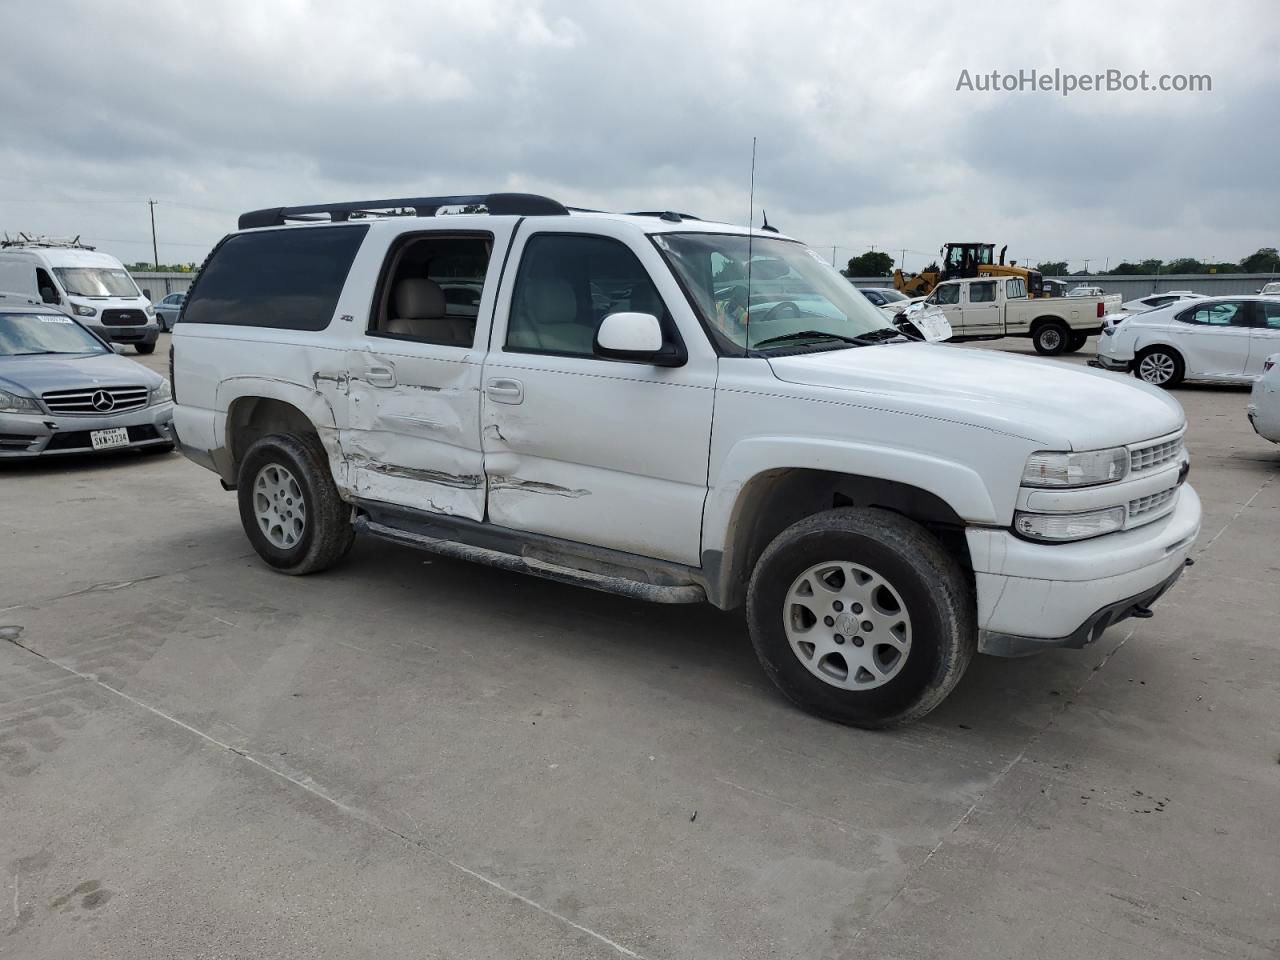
(213, 108)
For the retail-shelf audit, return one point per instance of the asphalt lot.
(414, 757)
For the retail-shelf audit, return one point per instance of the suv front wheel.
(290, 507)
(862, 617)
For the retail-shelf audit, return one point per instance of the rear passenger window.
(1217, 315)
(982, 292)
(288, 278)
(431, 289)
(567, 284)
(1270, 315)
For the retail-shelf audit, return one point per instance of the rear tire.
(145, 348)
(290, 507)
(1051, 338)
(1160, 367)
(862, 617)
(1076, 341)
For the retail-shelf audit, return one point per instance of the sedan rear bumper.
(24, 437)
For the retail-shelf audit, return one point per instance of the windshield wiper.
(865, 340)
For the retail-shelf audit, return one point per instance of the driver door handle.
(503, 390)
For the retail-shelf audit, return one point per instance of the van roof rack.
(495, 204)
(672, 216)
(29, 240)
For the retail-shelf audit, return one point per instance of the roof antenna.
(764, 214)
(751, 212)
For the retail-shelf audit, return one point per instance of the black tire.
(1051, 338)
(1166, 360)
(327, 534)
(1076, 341)
(934, 591)
(145, 347)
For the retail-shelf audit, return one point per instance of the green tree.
(873, 263)
(1265, 260)
(1185, 265)
(1125, 268)
(932, 268)
(1054, 268)
(1153, 266)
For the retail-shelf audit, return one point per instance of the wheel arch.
(940, 495)
(257, 408)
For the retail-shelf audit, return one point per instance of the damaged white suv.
(679, 411)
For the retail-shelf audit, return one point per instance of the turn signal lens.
(1064, 527)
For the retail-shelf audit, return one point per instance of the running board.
(654, 593)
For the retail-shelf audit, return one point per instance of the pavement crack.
(308, 785)
(1236, 516)
(999, 778)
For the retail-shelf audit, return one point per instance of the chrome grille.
(1151, 504)
(98, 401)
(1155, 455)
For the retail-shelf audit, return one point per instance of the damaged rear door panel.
(413, 431)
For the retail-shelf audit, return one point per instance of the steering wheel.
(782, 311)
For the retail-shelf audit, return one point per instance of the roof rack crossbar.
(497, 204)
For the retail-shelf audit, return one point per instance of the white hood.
(1059, 405)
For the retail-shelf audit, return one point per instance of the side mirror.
(49, 295)
(146, 292)
(636, 337)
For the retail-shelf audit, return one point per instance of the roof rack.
(28, 240)
(495, 204)
(672, 216)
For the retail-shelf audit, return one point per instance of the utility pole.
(155, 252)
(902, 262)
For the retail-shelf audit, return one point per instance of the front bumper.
(1111, 363)
(24, 437)
(1033, 596)
(143, 333)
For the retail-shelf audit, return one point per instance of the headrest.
(417, 298)
(552, 300)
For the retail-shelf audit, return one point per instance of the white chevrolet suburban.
(988, 308)
(604, 400)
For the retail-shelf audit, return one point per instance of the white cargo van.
(93, 287)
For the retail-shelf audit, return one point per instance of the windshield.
(28, 334)
(97, 281)
(795, 296)
(893, 296)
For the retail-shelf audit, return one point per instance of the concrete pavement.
(413, 757)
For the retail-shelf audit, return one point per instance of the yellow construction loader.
(967, 260)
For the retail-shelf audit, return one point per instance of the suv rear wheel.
(860, 616)
(290, 507)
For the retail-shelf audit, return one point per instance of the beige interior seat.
(419, 310)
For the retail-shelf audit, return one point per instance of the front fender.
(956, 484)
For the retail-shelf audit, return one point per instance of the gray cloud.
(218, 108)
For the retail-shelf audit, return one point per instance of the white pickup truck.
(994, 307)
(597, 399)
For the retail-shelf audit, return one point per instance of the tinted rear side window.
(279, 278)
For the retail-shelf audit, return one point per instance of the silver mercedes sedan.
(63, 390)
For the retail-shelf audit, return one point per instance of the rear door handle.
(502, 390)
(381, 377)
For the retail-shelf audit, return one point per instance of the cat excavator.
(960, 260)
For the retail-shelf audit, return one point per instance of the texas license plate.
(106, 439)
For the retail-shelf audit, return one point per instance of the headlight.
(150, 309)
(11, 403)
(161, 393)
(1084, 469)
(82, 311)
(1062, 527)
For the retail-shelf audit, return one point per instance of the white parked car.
(1085, 292)
(1270, 289)
(624, 413)
(1153, 300)
(1264, 405)
(1213, 338)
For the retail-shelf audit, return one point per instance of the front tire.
(1051, 338)
(1160, 367)
(862, 617)
(145, 348)
(290, 507)
(1076, 341)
